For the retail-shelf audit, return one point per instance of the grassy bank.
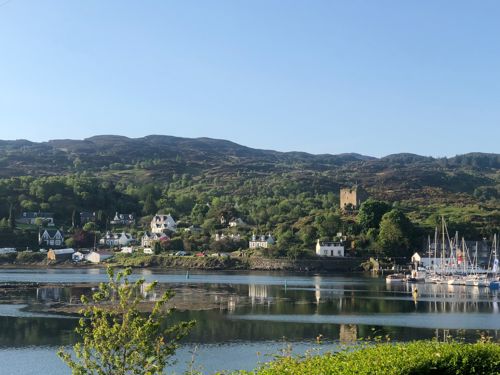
(182, 262)
(420, 357)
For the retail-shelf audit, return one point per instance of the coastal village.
(127, 235)
(157, 237)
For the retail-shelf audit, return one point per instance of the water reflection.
(252, 307)
(348, 333)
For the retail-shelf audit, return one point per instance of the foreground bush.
(416, 358)
(117, 339)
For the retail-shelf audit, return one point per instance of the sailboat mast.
(435, 246)
(442, 244)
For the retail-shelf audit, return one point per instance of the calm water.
(247, 317)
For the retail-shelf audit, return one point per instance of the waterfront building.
(60, 254)
(329, 249)
(117, 239)
(148, 239)
(98, 256)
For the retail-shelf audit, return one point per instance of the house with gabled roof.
(329, 249)
(148, 239)
(98, 256)
(51, 237)
(263, 241)
(117, 239)
(161, 222)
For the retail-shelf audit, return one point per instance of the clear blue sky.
(374, 76)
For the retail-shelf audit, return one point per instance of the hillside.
(392, 176)
(270, 189)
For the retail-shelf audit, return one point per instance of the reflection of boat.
(416, 277)
(395, 278)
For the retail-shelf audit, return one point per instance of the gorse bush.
(415, 358)
(117, 338)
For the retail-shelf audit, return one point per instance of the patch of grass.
(419, 357)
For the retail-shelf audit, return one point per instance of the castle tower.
(352, 197)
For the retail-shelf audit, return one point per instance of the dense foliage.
(414, 358)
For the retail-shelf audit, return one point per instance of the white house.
(148, 239)
(51, 237)
(416, 258)
(127, 250)
(231, 236)
(117, 239)
(261, 241)
(161, 222)
(329, 249)
(98, 257)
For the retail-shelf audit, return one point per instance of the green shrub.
(8, 258)
(168, 261)
(30, 257)
(415, 358)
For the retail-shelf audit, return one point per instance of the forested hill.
(21, 157)
(467, 186)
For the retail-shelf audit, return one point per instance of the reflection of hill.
(22, 332)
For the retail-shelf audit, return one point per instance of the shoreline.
(162, 262)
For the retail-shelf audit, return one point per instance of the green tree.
(328, 225)
(149, 205)
(69, 242)
(395, 233)
(11, 220)
(4, 223)
(157, 248)
(89, 226)
(117, 338)
(39, 222)
(371, 212)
